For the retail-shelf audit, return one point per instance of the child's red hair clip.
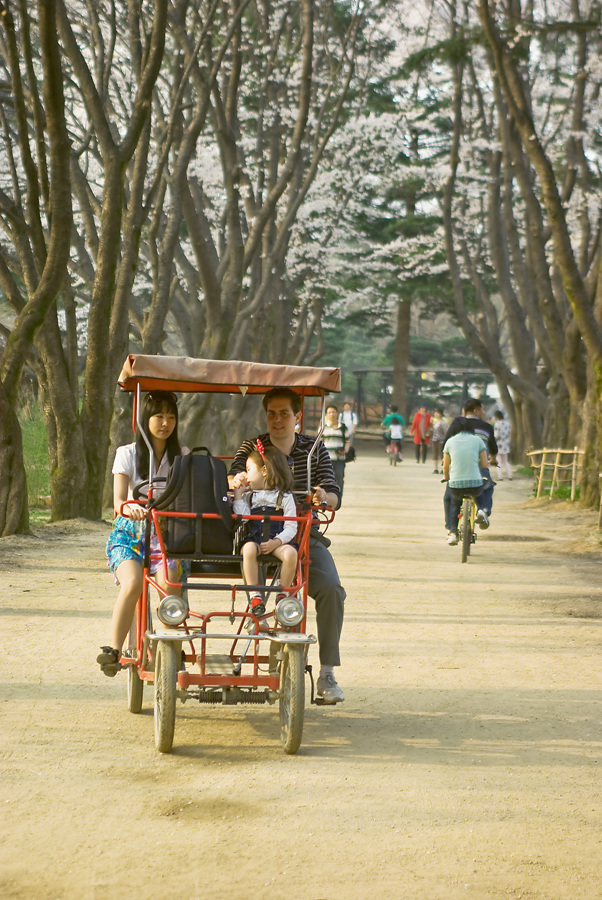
(260, 449)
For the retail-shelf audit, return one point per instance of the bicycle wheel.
(135, 690)
(135, 683)
(292, 697)
(166, 673)
(466, 529)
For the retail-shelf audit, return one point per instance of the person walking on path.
(336, 441)
(501, 430)
(438, 438)
(421, 429)
(283, 414)
(348, 418)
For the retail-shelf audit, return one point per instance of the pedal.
(317, 701)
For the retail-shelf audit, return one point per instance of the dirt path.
(465, 762)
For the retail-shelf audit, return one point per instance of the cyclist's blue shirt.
(464, 450)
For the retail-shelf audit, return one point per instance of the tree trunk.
(68, 468)
(401, 358)
(13, 484)
(48, 188)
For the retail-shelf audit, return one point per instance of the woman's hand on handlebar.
(133, 510)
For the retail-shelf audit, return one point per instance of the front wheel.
(166, 673)
(292, 697)
(466, 528)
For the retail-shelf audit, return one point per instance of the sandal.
(109, 661)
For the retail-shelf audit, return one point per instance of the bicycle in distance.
(469, 517)
(394, 452)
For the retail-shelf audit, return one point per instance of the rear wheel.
(466, 528)
(292, 697)
(135, 689)
(135, 683)
(166, 673)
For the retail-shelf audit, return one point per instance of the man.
(464, 457)
(474, 412)
(283, 414)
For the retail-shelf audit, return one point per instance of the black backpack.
(197, 483)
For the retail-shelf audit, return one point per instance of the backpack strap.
(220, 491)
(175, 480)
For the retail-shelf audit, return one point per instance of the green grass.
(35, 456)
(39, 515)
(562, 492)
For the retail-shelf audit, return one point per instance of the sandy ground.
(464, 763)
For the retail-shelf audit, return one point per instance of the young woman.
(265, 489)
(125, 549)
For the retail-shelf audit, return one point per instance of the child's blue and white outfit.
(126, 540)
(268, 503)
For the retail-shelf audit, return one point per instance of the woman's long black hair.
(153, 403)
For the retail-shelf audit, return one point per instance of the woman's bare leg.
(129, 575)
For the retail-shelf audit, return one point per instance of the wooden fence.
(554, 459)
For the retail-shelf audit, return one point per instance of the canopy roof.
(182, 373)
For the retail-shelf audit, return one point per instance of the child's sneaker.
(257, 607)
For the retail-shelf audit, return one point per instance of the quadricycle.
(198, 639)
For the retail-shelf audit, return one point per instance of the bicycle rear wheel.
(466, 530)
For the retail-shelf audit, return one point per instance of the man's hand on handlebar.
(322, 498)
(319, 497)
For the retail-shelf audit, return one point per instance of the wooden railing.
(553, 459)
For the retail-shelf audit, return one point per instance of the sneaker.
(482, 519)
(329, 690)
(257, 605)
(452, 538)
(108, 661)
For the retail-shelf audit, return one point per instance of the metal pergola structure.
(468, 376)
